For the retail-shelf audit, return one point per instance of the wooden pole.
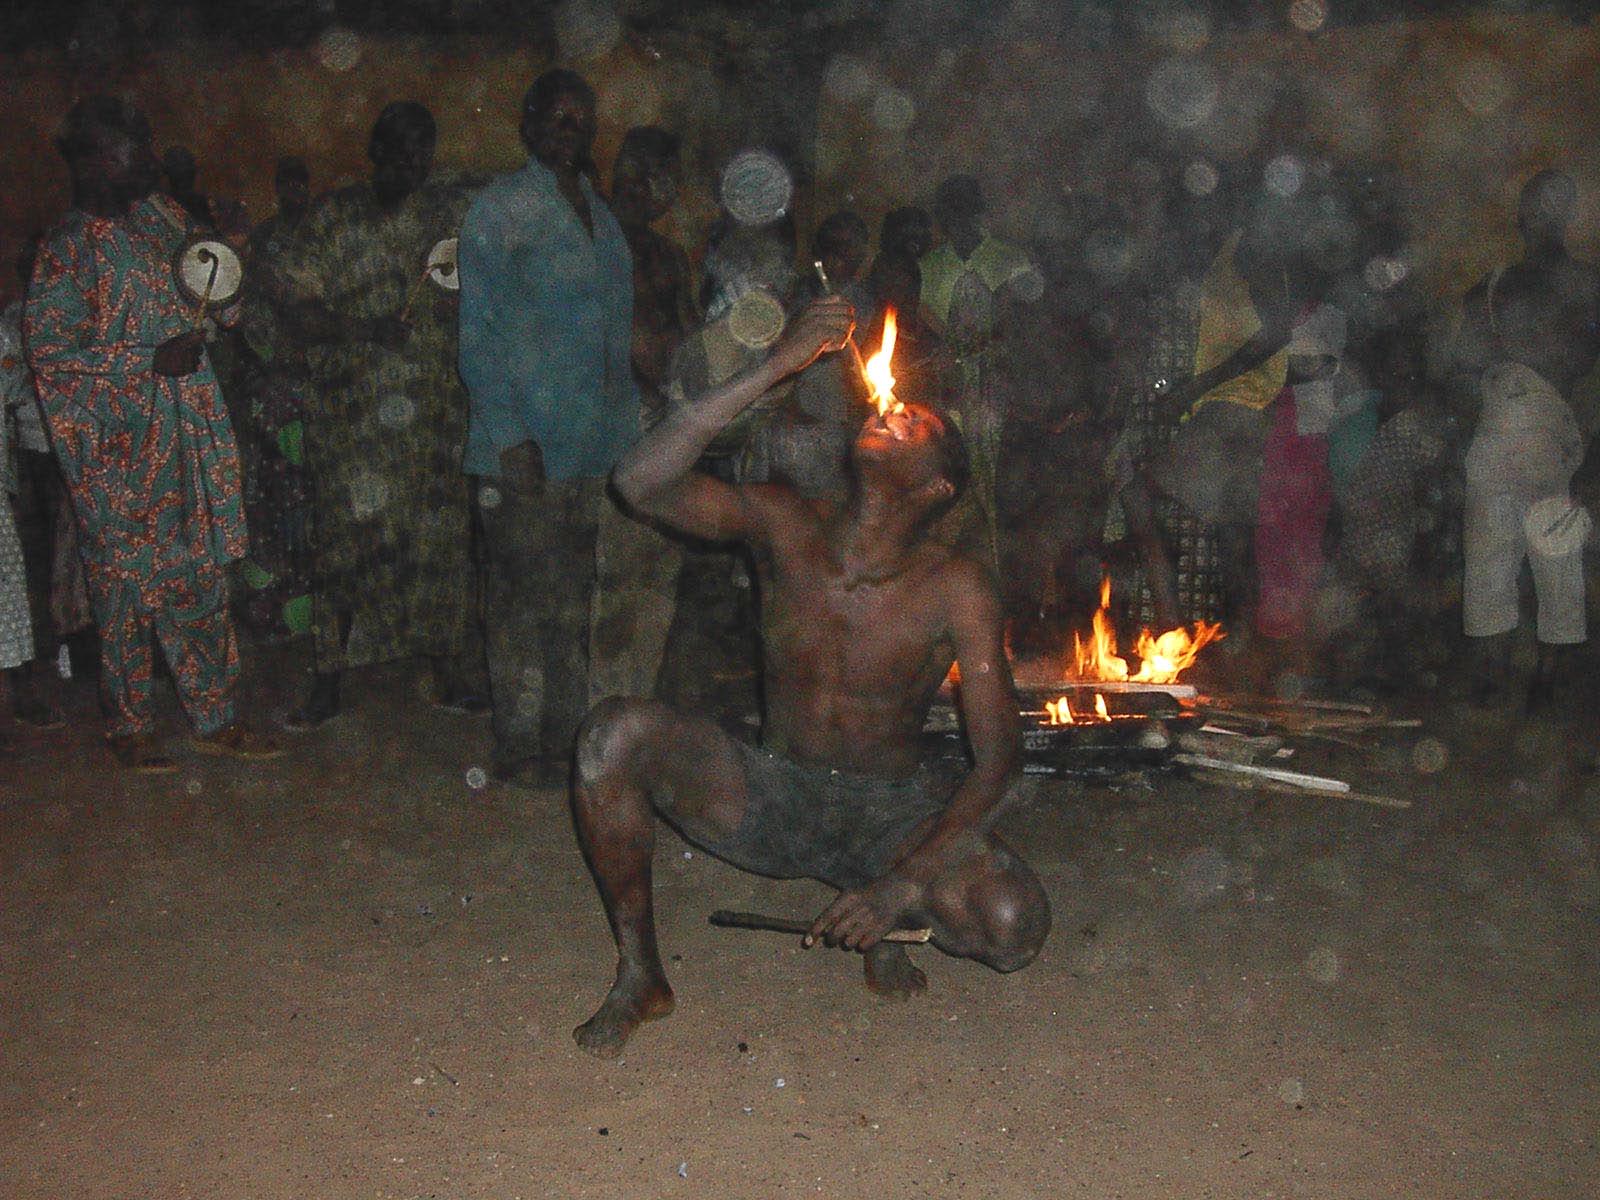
(726, 919)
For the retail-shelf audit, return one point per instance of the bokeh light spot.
(1181, 92)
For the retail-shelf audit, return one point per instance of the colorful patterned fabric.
(277, 491)
(190, 619)
(1382, 511)
(965, 300)
(16, 625)
(385, 429)
(1228, 319)
(149, 461)
(993, 265)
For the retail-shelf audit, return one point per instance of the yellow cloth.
(995, 262)
(1228, 320)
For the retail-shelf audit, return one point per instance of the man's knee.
(612, 732)
(1016, 919)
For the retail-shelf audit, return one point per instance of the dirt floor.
(351, 974)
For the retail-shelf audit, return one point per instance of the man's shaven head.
(959, 201)
(92, 118)
(1546, 205)
(399, 124)
(106, 144)
(555, 83)
(558, 119)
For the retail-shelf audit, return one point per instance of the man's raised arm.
(657, 477)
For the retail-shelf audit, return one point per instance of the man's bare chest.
(871, 631)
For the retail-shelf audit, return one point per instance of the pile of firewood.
(1244, 741)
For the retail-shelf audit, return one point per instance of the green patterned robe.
(385, 431)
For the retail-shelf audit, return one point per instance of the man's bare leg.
(1144, 526)
(636, 757)
(990, 908)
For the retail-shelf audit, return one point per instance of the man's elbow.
(634, 490)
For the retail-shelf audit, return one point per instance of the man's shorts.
(806, 821)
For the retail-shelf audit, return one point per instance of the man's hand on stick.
(822, 327)
(858, 919)
(179, 356)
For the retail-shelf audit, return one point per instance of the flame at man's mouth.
(878, 373)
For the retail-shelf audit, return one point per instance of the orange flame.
(1059, 711)
(879, 376)
(1161, 659)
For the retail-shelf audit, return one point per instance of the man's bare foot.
(636, 997)
(236, 740)
(140, 752)
(891, 973)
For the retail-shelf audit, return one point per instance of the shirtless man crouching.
(862, 617)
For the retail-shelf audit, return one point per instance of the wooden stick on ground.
(1313, 784)
(726, 919)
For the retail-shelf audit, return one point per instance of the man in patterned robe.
(276, 494)
(386, 421)
(975, 288)
(143, 438)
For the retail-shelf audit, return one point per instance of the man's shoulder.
(67, 248)
(509, 202)
(340, 205)
(941, 258)
(1583, 278)
(782, 503)
(71, 227)
(958, 576)
(506, 188)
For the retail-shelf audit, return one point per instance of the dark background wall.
(873, 101)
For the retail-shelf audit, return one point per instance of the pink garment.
(1291, 515)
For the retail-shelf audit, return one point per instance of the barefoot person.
(862, 619)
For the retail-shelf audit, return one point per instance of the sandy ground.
(349, 974)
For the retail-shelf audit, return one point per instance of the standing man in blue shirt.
(546, 335)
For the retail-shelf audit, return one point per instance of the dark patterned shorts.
(806, 821)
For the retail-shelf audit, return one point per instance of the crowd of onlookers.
(1224, 384)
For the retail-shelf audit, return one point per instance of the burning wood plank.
(1124, 687)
